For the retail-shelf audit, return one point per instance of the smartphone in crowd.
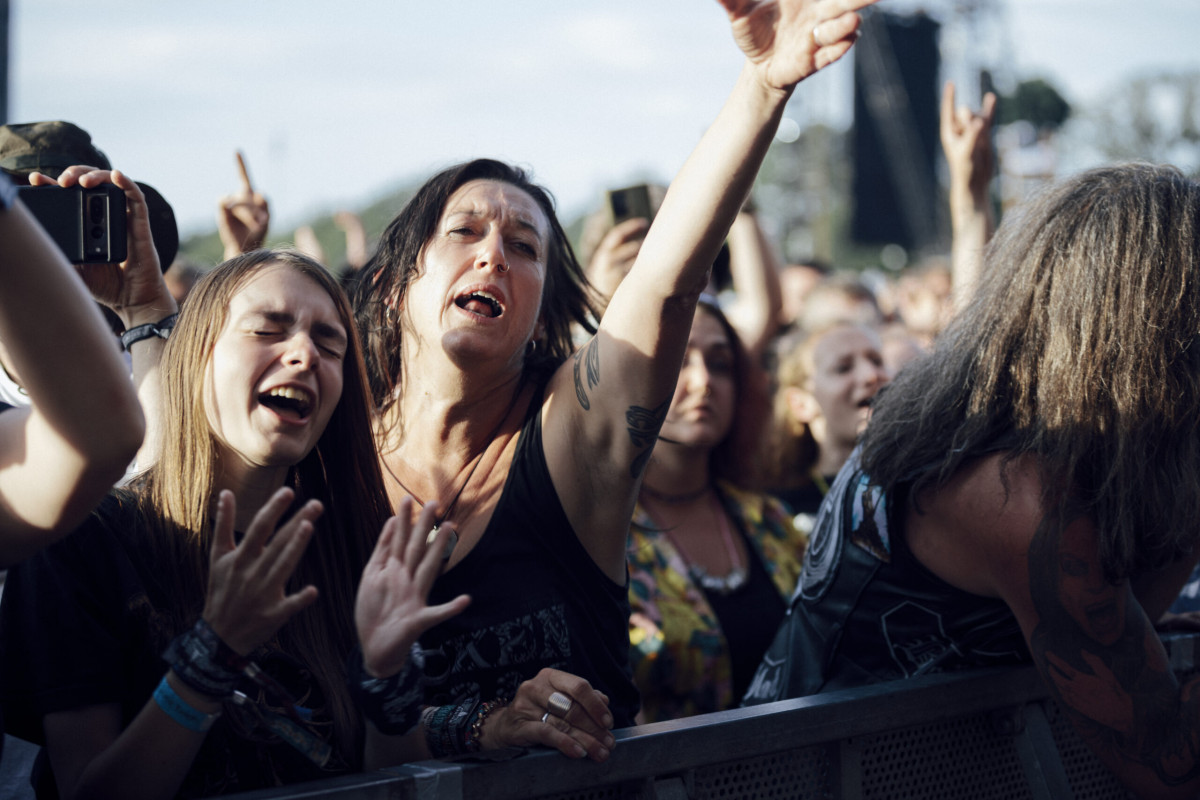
(630, 203)
(88, 225)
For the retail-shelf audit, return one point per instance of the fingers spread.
(285, 551)
(223, 527)
(265, 520)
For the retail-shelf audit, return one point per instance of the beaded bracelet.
(392, 704)
(475, 732)
(205, 663)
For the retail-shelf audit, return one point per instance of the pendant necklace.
(477, 460)
(738, 573)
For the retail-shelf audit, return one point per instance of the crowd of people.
(498, 495)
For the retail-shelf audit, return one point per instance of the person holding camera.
(206, 613)
(62, 453)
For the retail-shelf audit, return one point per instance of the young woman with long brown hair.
(266, 409)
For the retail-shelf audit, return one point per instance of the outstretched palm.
(791, 39)
(391, 610)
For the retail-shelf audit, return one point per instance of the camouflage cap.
(47, 147)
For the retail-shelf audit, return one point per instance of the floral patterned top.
(680, 656)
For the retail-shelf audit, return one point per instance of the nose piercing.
(502, 268)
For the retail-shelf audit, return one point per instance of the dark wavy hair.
(1080, 347)
(566, 295)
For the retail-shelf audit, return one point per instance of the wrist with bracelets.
(456, 729)
(205, 663)
(393, 704)
(201, 661)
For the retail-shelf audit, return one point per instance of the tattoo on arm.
(1096, 650)
(643, 432)
(589, 357)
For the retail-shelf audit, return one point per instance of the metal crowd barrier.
(983, 734)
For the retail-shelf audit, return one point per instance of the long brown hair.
(1080, 346)
(177, 494)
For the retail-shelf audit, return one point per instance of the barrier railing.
(982, 734)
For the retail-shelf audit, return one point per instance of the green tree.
(1036, 102)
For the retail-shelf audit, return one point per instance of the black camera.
(88, 225)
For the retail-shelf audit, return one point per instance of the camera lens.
(97, 232)
(96, 208)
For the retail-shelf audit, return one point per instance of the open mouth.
(289, 402)
(482, 304)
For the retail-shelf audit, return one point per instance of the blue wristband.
(177, 709)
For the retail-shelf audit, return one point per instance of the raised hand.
(247, 600)
(966, 141)
(356, 238)
(615, 255)
(391, 611)
(135, 288)
(536, 716)
(788, 40)
(243, 218)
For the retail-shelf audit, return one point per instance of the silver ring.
(559, 704)
(545, 716)
(816, 39)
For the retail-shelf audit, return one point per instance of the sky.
(336, 104)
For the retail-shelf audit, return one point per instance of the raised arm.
(134, 290)
(605, 407)
(966, 141)
(243, 217)
(58, 458)
(758, 298)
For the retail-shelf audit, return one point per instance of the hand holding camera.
(133, 288)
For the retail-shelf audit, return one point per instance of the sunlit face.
(479, 290)
(702, 408)
(1093, 602)
(847, 373)
(275, 373)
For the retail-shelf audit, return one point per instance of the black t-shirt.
(537, 600)
(80, 626)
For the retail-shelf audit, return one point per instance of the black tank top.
(537, 600)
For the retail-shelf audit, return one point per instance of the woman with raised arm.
(60, 456)
(199, 646)
(466, 313)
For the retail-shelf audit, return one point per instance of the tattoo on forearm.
(589, 357)
(643, 432)
(1095, 648)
